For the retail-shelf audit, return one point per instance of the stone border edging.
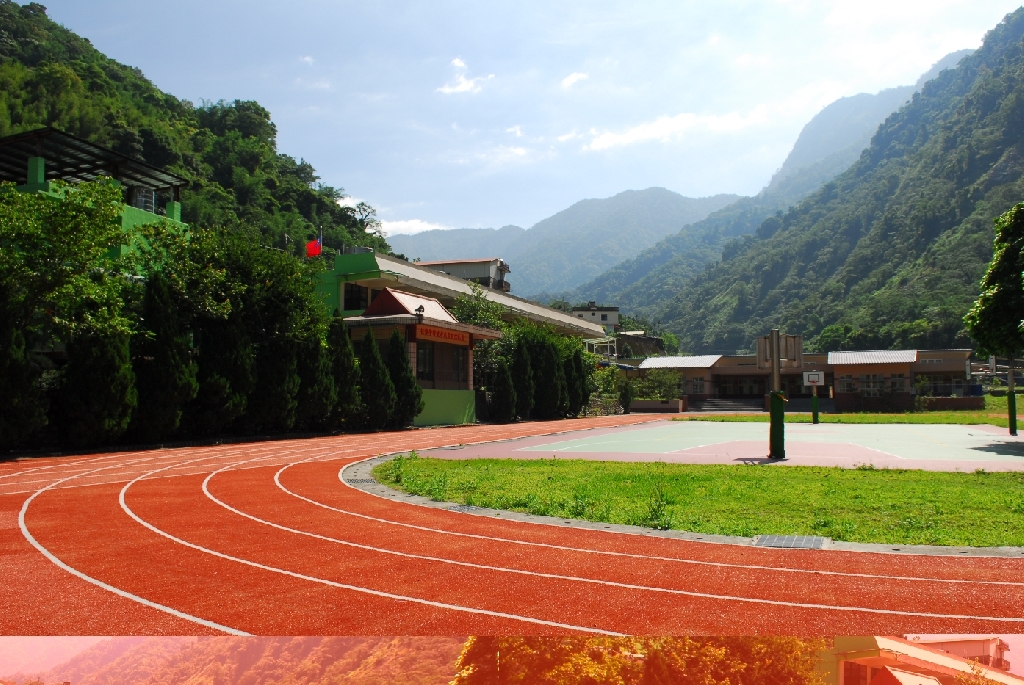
(359, 475)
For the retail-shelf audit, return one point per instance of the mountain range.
(827, 146)
(888, 254)
(572, 246)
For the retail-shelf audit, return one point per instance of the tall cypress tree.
(586, 379)
(549, 382)
(317, 391)
(573, 386)
(522, 379)
(375, 385)
(503, 394)
(227, 376)
(22, 404)
(165, 374)
(274, 401)
(408, 393)
(97, 396)
(346, 375)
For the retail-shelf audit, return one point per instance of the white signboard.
(813, 378)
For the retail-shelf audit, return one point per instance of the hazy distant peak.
(948, 62)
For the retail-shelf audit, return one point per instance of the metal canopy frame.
(73, 159)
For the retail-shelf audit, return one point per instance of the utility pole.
(776, 401)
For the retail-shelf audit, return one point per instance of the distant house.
(488, 272)
(607, 317)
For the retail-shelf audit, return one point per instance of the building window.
(871, 385)
(355, 297)
(425, 361)
(847, 384)
(855, 674)
(898, 383)
(460, 364)
(604, 317)
(697, 386)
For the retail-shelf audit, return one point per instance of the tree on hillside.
(346, 375)
(647, 661)
(408, 393)
(522, 379)
(378, 393)
(165, 374)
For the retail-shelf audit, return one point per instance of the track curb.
(359, 475)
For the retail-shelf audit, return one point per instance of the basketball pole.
(776, 401)
(814, 404)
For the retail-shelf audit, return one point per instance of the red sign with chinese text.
(444, 335)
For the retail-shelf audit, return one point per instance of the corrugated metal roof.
(873, 357)
(702, 361)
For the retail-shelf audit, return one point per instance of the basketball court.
(895, 446)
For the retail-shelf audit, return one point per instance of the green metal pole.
(777, 432)
(1011, 397)
(814, 405)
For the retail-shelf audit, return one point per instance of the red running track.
(267, 539)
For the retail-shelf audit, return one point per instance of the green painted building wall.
(447, 408)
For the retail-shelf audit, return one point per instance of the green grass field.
(857, 505)
(994, 414)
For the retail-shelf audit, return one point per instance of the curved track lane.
(266, 539)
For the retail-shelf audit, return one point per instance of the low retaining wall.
(952, 403)
(670, 406)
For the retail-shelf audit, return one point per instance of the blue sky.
(459, 114)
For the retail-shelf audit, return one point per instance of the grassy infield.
(859, 505)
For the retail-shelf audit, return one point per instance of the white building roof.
(702, 361)
(873, 357)
(436, 283)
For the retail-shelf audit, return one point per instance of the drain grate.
(360, 480)
(790, 541)
(465, 508)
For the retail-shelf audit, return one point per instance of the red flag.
(313, 248)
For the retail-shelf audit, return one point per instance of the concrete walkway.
(899, 446)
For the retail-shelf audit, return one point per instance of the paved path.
(899, 446)
(267, 539)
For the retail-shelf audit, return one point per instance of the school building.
(870, 380)
(383, 294)
(883, 660)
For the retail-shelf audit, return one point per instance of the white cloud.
(666, 129)
(410, 226)
(307, 60)
(573, 78)
(569, 136)
(349, 201)
(463, 84)
(518, 130)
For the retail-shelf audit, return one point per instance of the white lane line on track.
(344, 586)
(608, 583)
(99, 583)
(585, 550)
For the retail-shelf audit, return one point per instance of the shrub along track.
(266, 539)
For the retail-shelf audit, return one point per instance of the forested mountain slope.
(890, 253)
(574, 245)
(50, 76)
(826, 147)
(264, 661)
